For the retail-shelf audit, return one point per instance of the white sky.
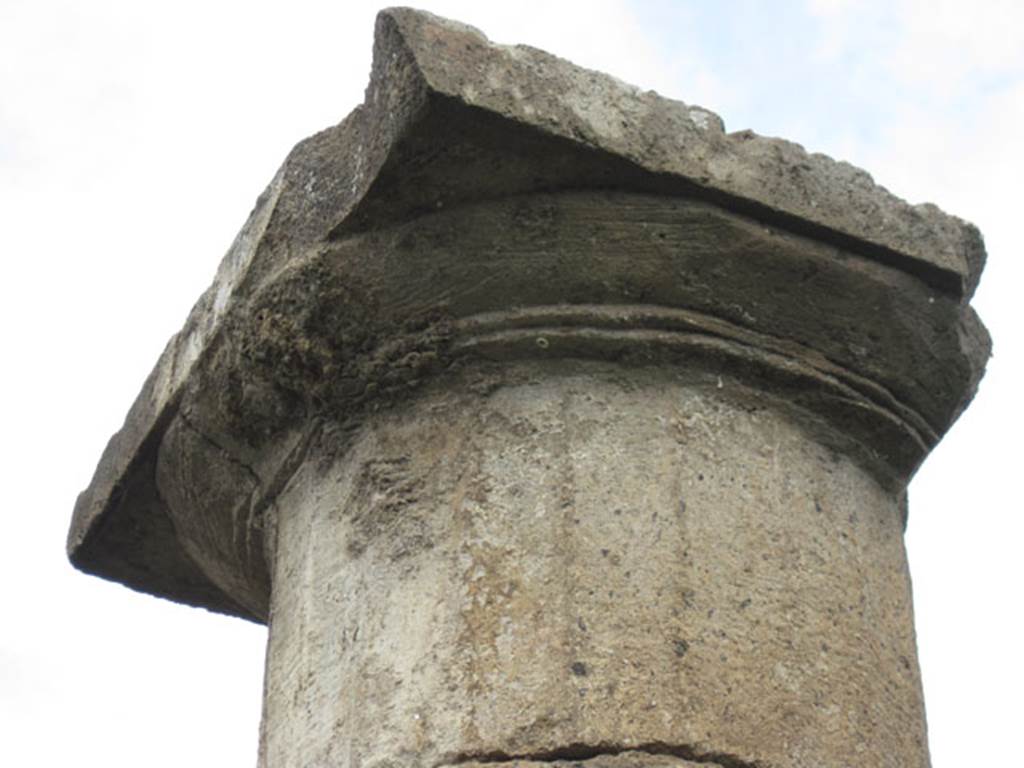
(134, 139)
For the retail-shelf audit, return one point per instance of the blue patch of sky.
(769, 56)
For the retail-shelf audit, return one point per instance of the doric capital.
(489, 203)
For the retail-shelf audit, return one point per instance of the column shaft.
(585, 559)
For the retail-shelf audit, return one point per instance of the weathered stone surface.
(488, 178)
(544, 420)
(762, 176)
(589, 555)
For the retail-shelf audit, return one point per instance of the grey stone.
(769, 178)
(449, 119)
(543, 419)
(589, 554)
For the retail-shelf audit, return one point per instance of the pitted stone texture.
(664, 136)
(589, 556)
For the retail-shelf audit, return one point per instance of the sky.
(134, 139)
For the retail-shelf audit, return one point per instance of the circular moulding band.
(892, 438)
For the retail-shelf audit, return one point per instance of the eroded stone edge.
(126, 453)
(664, 136)
(322, 177)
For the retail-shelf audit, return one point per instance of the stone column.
(543, 421)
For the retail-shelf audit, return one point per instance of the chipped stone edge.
(159, 398)
(665, 136)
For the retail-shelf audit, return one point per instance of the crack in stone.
(584, 752)
(242, 529)
(229, 455)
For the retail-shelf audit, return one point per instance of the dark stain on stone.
(579, 669)
(320, 337)
(680, 647)
(383, 509)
